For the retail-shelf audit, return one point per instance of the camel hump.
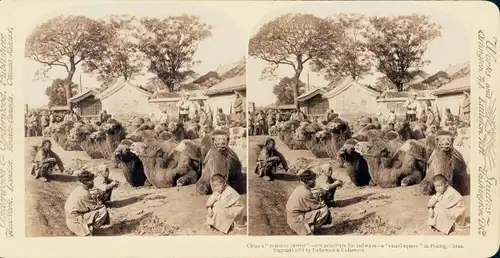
(414, 148)
(188, 147)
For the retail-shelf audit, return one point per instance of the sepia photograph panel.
(365, 126)
(135, 122)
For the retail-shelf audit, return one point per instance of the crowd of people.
(264, 122)
(307, 206)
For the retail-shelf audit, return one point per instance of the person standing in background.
(411, 106)
(238, 108)
(184, 106)
(465, 108)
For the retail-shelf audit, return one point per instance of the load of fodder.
(287, 130)
(81, 135)
(339, 131)
(60, 136)
(168, 163)
(104, 141)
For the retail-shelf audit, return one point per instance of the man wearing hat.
(411, 106)
(83, 212)
(305, 213)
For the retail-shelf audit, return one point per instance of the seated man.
(305, 213)
(83, 213)
(269, 159)
(45, 161)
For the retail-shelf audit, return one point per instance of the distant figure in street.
(83, 212)
(466, 108)
(45, 161)
(269, 160)
(184, 105)
(238, 108)
(221, 118)
(305, 213)
(411, 106)
(104, 117)
(391, 119)
(449, 119)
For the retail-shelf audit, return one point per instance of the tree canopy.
(121, 57)
(170, 45)
(284, 90)
(345, 45)
(344, 53)
(65, 41)
(291, 40)
(57, 92)
(399, 44)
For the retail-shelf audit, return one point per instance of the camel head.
(444, 140)
(348, 147)
(220, 139)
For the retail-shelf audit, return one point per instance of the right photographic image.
(359, 121)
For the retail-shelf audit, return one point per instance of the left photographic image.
(135, 122)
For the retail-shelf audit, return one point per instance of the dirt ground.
(357, 211)
(139, 211)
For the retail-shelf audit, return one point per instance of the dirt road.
(357, 211)
(140, 211)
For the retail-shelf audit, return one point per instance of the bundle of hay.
(61, 133)
(287, 130)
(103, 142)
(328, 142)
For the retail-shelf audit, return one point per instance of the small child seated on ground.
(103, 185)
(446, 207)
(326, 185)
(224, 208)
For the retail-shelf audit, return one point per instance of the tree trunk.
(399, 86)
(67, 87)
(69, 80)
(296, 77)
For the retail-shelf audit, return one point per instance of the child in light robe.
(224, 208)
(446, 207)
(326, 185)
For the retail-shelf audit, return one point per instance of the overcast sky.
(226, 45)
(451, 48)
